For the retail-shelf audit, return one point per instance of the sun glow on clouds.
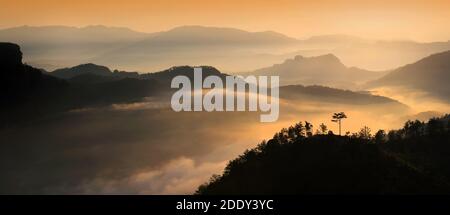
(179, 176)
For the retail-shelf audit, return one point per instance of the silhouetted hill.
(118, 91)
(19, 82)
(91, 73)
(90, 68)
(89, 78)
(332, 95)
(412, 160)
(291, 92)
(27, 94)
(322, 70)
(424, 145)
(430, 74)
(167, 75)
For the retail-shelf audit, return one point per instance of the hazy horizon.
(417, 20)
(301, 37)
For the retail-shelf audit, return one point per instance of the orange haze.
(394, 19)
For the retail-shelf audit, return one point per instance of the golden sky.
(392, 19)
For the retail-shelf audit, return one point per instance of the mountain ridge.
(323, 70)
(430, 74)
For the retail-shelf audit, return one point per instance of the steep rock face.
(12, 72)
(19, 81)
(10, 55)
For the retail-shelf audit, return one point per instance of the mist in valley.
(146, 148)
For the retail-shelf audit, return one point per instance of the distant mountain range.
(94, 74)
(229, 49)
(51, 47)
(322, 70)
(91, 84)
(431, 74)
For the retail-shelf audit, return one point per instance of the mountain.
(56, 46)
(227, 48)
(20, 82)
(333, 95)
(91, 73)
(371, 54)
(412, 160)
(82, 69)
(430, 74)
(94, 74)
(52, 35)
(213, 36)
(322, 70)
(231, 50)
(235, 50)
(27, 94)
(167, 75)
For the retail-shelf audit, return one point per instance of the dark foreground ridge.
(412, 160)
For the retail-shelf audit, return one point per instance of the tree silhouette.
(299, 129)
(337, 117)
(323, 129)
(380, 137)
(308, 128)
(364, 133)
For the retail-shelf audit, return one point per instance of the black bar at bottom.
(225, 204)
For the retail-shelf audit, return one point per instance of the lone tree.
(337, 117)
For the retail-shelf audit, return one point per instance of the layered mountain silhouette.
(231, 50)
(322, 70)
(199, 45)
(237, 50)
(430, 74)
(27, 93)
(212, 36)
(377, 55)
(93, 74)
(90, 84)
